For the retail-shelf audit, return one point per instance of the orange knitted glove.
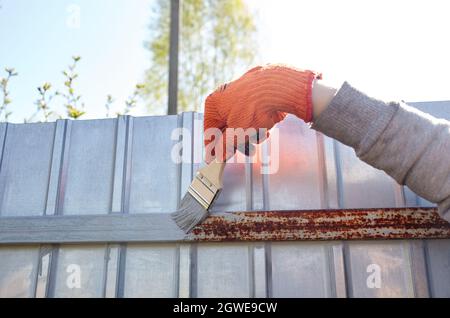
(258, 99)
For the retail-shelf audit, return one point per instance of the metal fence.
(109, 182)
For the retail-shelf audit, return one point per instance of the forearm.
(409, 145)
(322, 94)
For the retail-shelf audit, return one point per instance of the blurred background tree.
(217, 41)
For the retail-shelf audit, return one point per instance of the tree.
(217, 40)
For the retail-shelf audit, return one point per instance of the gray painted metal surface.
(124, 165)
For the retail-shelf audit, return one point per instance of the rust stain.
(390, 223)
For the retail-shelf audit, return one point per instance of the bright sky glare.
(391, 49)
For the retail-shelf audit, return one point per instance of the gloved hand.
(258, 99)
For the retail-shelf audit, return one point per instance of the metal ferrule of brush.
(203, 190)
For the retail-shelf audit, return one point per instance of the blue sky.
(391, 49)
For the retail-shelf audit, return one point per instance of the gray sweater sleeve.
(409, 145)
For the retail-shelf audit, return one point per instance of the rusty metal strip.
(391, 223)
(396, 223)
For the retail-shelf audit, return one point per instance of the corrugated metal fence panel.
(125, 165)
(151, 271)
(74, 259)
(154, 176)
(438, 261)
(18, 271)
(297, 181)
(89, 167)
(361, 185)
(391, 258)
(301, 270)
(223, 270)
(25, 167)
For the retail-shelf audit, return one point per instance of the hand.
(259, 99)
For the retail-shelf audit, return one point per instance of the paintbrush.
(199, 198)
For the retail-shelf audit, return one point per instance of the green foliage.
(217, 41)
(6, 100)
(109, 101)
(131, 102)
(72, 100)
(73, 112)
(45, 110)
(43, 103)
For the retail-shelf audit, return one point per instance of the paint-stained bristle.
(189, 214)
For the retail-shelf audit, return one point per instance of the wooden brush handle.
(214, 173)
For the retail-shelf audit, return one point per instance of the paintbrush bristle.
(189, 214)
